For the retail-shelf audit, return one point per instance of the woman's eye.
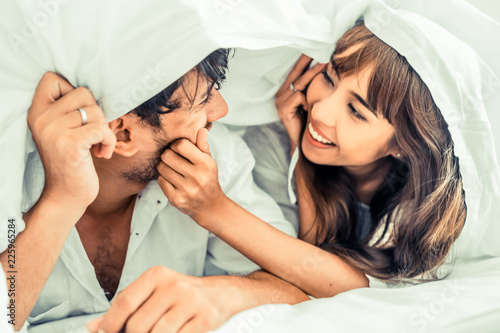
(355, 112)
(327, 78)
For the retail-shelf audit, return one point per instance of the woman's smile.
(316, 138)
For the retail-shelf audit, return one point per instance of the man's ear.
(124, 130)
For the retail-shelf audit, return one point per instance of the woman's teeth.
(318, 137)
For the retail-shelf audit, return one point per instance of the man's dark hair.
(212, 69)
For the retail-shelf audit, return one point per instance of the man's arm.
(71, 182)
(162, 300)
(48, 224)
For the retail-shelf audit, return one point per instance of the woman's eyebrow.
(362, 101)
(334, 67)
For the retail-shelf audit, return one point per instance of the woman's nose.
(324, 114)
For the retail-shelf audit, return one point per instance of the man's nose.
(217, 107)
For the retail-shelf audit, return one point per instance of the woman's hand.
(288, 100)
(189, 177)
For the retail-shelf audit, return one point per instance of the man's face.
(184, 122)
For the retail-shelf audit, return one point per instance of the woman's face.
(342, 129)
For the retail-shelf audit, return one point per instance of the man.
(100, 228)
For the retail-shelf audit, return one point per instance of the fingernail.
(101, 331)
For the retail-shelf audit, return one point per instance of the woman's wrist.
(212, 217)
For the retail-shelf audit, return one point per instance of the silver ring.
(83, 113)
(293, 87)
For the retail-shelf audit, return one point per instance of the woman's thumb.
(202, 141)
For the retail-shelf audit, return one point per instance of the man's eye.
(327, 78)
(355, 112)
(207, 99)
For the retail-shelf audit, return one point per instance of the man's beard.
(148, 171)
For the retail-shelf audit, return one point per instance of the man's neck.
(115, 194)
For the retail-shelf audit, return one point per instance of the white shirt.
(159, 235)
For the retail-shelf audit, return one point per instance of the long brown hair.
(420, 209)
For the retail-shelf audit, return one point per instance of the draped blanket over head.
(127, 51)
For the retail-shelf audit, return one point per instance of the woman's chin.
(315, 155)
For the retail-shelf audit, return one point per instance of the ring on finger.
(292, 87)
(85, 118)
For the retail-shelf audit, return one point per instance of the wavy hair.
(419, 210)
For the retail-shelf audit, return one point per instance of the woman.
(378, 186)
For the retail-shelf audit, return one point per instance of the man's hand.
(288, 101)
(162, 300)
(189, 176)
(64, 143)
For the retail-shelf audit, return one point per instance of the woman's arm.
(189, 179)
(192, 186)
(315, 271)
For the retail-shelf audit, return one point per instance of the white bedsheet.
(467, 301)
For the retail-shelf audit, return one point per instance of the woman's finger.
(302, 82)
(188, 150)
(176, 161)
(167, 187)
(172, 176)
(295, 73)
(292, 103)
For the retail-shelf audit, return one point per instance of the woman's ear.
(124, 130)
(395, 150)
(396, 153)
